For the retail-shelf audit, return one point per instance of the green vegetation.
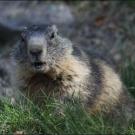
(128, 75)
(31, 119)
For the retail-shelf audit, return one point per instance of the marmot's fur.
(47, 63)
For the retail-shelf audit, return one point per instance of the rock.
(16, 15)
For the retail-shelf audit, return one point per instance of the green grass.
(128, 76)
(30, 118)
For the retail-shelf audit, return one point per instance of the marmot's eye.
(52, 35)
(22, 37)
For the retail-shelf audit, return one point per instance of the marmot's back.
(49, 63)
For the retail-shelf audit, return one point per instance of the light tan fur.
(111, 90)
(71, 66)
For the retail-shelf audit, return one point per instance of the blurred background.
(104, 27)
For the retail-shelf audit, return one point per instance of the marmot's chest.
(40, 85)
(40, 82)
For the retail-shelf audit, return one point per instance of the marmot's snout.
(36, 49)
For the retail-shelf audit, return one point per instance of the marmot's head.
(41, 48)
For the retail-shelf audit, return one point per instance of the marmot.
(46, 62)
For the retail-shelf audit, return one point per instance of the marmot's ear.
(54, 28)
(25, 28)
(23, 35)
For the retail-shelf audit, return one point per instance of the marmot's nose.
(35, 53)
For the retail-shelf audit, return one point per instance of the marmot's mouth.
(38, 65)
